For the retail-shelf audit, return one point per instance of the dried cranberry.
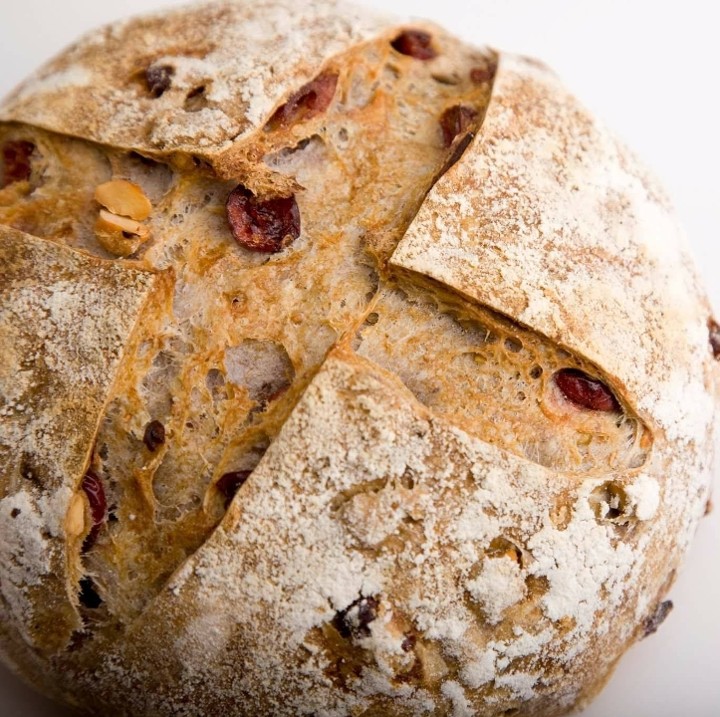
(455, 121)
(154, 435)
(262, 225)
(355, 619)
(16, 161)
(159, 78)
(408, 643)
(457, 152)
(95, 493)
(653, 622)
(415, 43)
(714, 334)
(479, 75)
(229, 484)
(309, 101)
(584, 391)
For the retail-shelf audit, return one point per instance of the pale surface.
(649, 69)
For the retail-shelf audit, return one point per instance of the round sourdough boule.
(345, 369)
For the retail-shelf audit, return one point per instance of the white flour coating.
(70, 317)
(499, 585)
(547, 219)
(292, 563)
(644, 495)
(581, 564)
(71, 78)
(24, 552)
(455, 693)
(245, 59)
(516, 226)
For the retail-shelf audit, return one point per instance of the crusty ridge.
(518, 586)
(65, 322)
(246, 56)
(552, 221)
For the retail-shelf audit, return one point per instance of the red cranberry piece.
(309, 101)
(415, 43)
(229, 484)
(154, 435)
(584, 391)
(262, 225)
(455, 121)
(95, 493)
(484, 73)
(714, 335)
(408, 643)
(159, 78)
(16, 161)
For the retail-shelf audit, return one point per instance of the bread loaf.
(345, 369)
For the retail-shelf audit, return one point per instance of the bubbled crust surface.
(384, 557)
(246, 56)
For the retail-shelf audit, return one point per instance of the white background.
(651, 70)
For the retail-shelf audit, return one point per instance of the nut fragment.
(262, 225)
(119, 235)
(16, 162)
(415, 43)
(454, 121)
(124, 198)
(75, 519)
(309, 101)
(584, 391)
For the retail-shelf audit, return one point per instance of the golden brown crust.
(65, 321)
(231, 64)
(390, 550)
(549, 219)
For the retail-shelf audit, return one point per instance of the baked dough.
(345, 369)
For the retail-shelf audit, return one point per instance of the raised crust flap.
(227, 65)
(548, 219)
(65, 321)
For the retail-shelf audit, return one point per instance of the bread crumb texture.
(346, 369)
